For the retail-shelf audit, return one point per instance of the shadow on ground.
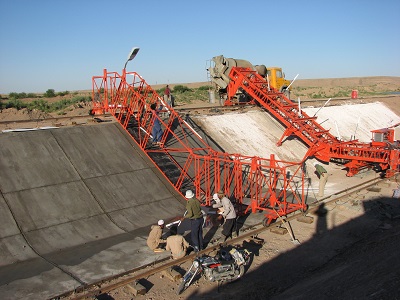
(357, 260)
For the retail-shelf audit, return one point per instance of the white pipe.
(29, 129)
(324, 121)
(298, 100)
(322, 106)
(292, 82)
(192, 129)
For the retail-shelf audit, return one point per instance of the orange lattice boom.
(382, 154)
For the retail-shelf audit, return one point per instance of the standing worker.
(227, 212)
(167, 96)
(156, 132)
(195, 215)
(154, 241)
(176, 243)
(323, 178)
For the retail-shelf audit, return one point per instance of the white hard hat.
(160, 222)
(189, 194)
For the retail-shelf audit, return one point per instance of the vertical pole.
(105, 104)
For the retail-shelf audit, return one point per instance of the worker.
(176, 243)
(167, 96)
(156, 132)
(323, 178)
(195, 215)
(154, 241)
(226, 211)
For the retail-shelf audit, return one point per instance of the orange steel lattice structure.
(188, 161)
(382, 155)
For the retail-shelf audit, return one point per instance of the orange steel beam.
(323, 145)
(188, 162)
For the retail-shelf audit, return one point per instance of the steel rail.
(100, 287)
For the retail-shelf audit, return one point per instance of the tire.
(181, 288)
(238, 276)
(241, 271)
(286, 92)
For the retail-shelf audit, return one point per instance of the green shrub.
(205, 88)
(13, 95)
(62, 93)
(160, 91)
(15, 103)
(40, 104)
(50, 93)
(181, 89)
(17, 95)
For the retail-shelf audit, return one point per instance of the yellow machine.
(277, 79)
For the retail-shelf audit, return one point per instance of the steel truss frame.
(188, 162)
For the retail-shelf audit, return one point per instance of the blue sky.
(60, 44)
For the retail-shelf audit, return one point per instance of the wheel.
(181, 288)
(241, 271)
(286, 92)
(239, 275)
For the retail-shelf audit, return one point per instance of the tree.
(50, 93)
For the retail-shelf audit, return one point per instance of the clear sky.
(61, 44)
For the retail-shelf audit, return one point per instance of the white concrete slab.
(347, 121)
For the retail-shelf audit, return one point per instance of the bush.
(15, 103)
(50, 93)
(205, 88)
(181, 89)
(160, 91)
(13, 95)
(62, 93)
(39, 105)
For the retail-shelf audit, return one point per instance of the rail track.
(250, 232)
(184, 109)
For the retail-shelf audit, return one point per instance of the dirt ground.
(350, 251)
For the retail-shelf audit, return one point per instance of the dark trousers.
(196, 226)
(228, 227)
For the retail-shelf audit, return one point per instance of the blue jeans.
(156, 132)
(196, 226)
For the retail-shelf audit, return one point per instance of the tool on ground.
(294, 241)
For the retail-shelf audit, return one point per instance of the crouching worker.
(154, 241)
(176, 244)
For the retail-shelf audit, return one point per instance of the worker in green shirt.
(323, 178)
(195, 215)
